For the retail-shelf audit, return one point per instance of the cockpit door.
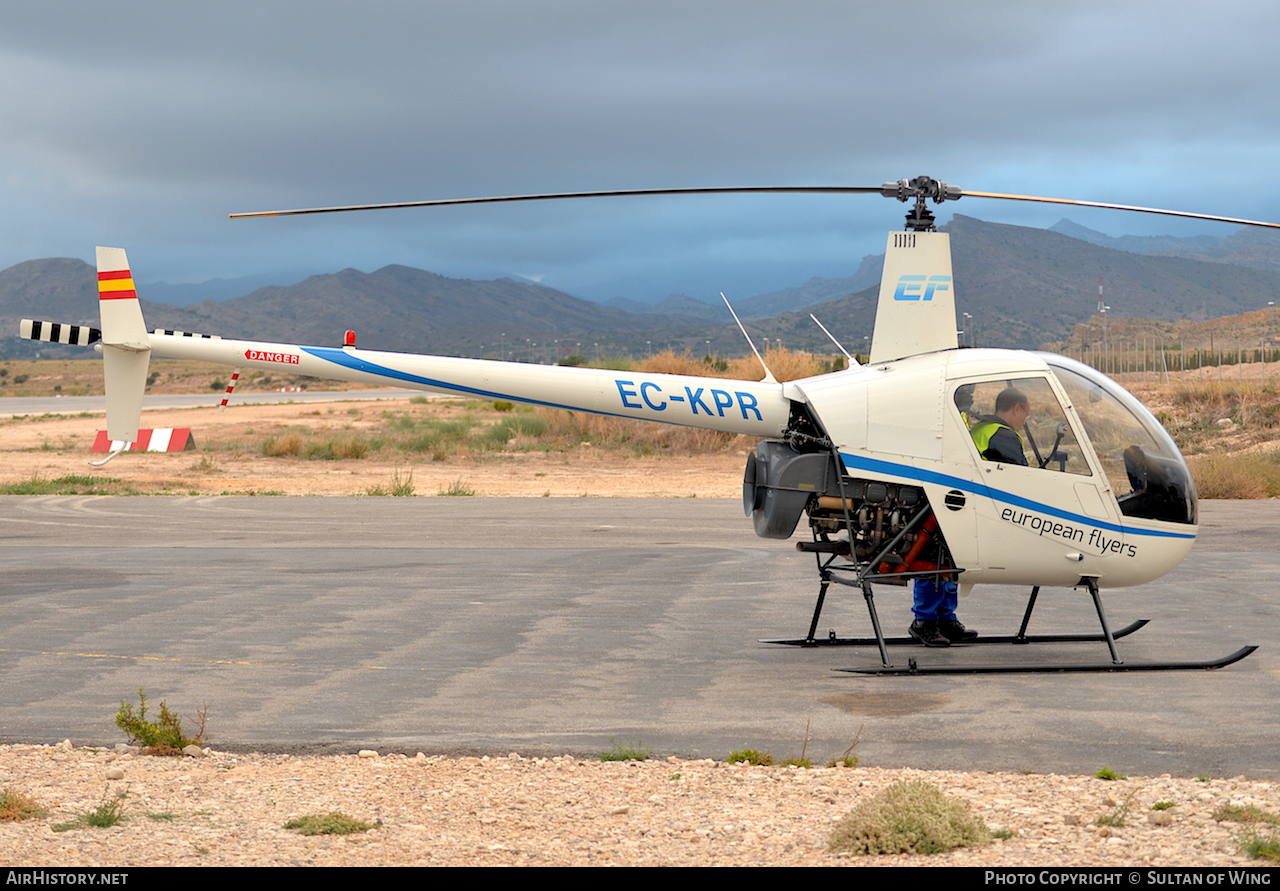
(1047, 521)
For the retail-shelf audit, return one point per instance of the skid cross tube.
(985, 640)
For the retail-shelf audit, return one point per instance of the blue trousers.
(935, 602)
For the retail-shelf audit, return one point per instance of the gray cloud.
(144, 125)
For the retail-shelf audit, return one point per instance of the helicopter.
(878, 457)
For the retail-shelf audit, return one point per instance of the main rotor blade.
(1169, 213)
(741, 190)
(903, 190)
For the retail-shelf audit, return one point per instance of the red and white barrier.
(164, 439)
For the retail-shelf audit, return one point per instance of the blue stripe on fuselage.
(928, 476)
(346, 360)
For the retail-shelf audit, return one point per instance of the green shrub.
(161, 737)
(74, 484)
(911, 817)
(400, 486)
(1261, 847)
(1117, 816)
(104, 816)
(1246, 813)
(458, 488)
(638, 752)
(750, 756)
(332, 823)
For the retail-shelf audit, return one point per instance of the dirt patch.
(229, 456)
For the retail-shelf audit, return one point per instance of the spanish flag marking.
(117, 285)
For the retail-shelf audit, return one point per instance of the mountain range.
(1015, 287)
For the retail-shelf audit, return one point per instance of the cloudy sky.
(142, 125)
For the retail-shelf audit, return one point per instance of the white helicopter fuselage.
(894, 421)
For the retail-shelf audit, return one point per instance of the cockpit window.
(1147, 473)
(1041, 434)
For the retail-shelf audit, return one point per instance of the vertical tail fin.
(917, 310)
(126, 349)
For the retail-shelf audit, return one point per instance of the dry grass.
(567, 429)
(1236, 476)
(1230, 433)
(786, 365)
(18, 806)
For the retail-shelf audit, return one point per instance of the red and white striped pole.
(235, 376)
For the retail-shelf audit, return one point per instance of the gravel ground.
(230, 810)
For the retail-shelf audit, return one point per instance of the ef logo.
(920, 287)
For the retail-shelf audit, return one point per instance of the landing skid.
(913, 668)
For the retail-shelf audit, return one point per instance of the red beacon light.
(349, 339)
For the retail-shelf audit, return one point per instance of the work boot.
(928, 634)
(955, 632)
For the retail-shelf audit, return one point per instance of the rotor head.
(921, 188)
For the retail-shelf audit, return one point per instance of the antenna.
(852, 360)
(768, 375)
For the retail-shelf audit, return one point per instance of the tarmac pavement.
(544, 626)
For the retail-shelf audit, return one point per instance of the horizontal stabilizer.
(171, 333)
(59, 332)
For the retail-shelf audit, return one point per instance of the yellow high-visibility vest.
(984, 431)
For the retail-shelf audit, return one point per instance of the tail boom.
(757, 408)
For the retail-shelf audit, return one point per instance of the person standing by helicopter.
(996, 436)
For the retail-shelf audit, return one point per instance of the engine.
(858, 518)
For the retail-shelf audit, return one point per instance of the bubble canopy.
(1147, 473)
